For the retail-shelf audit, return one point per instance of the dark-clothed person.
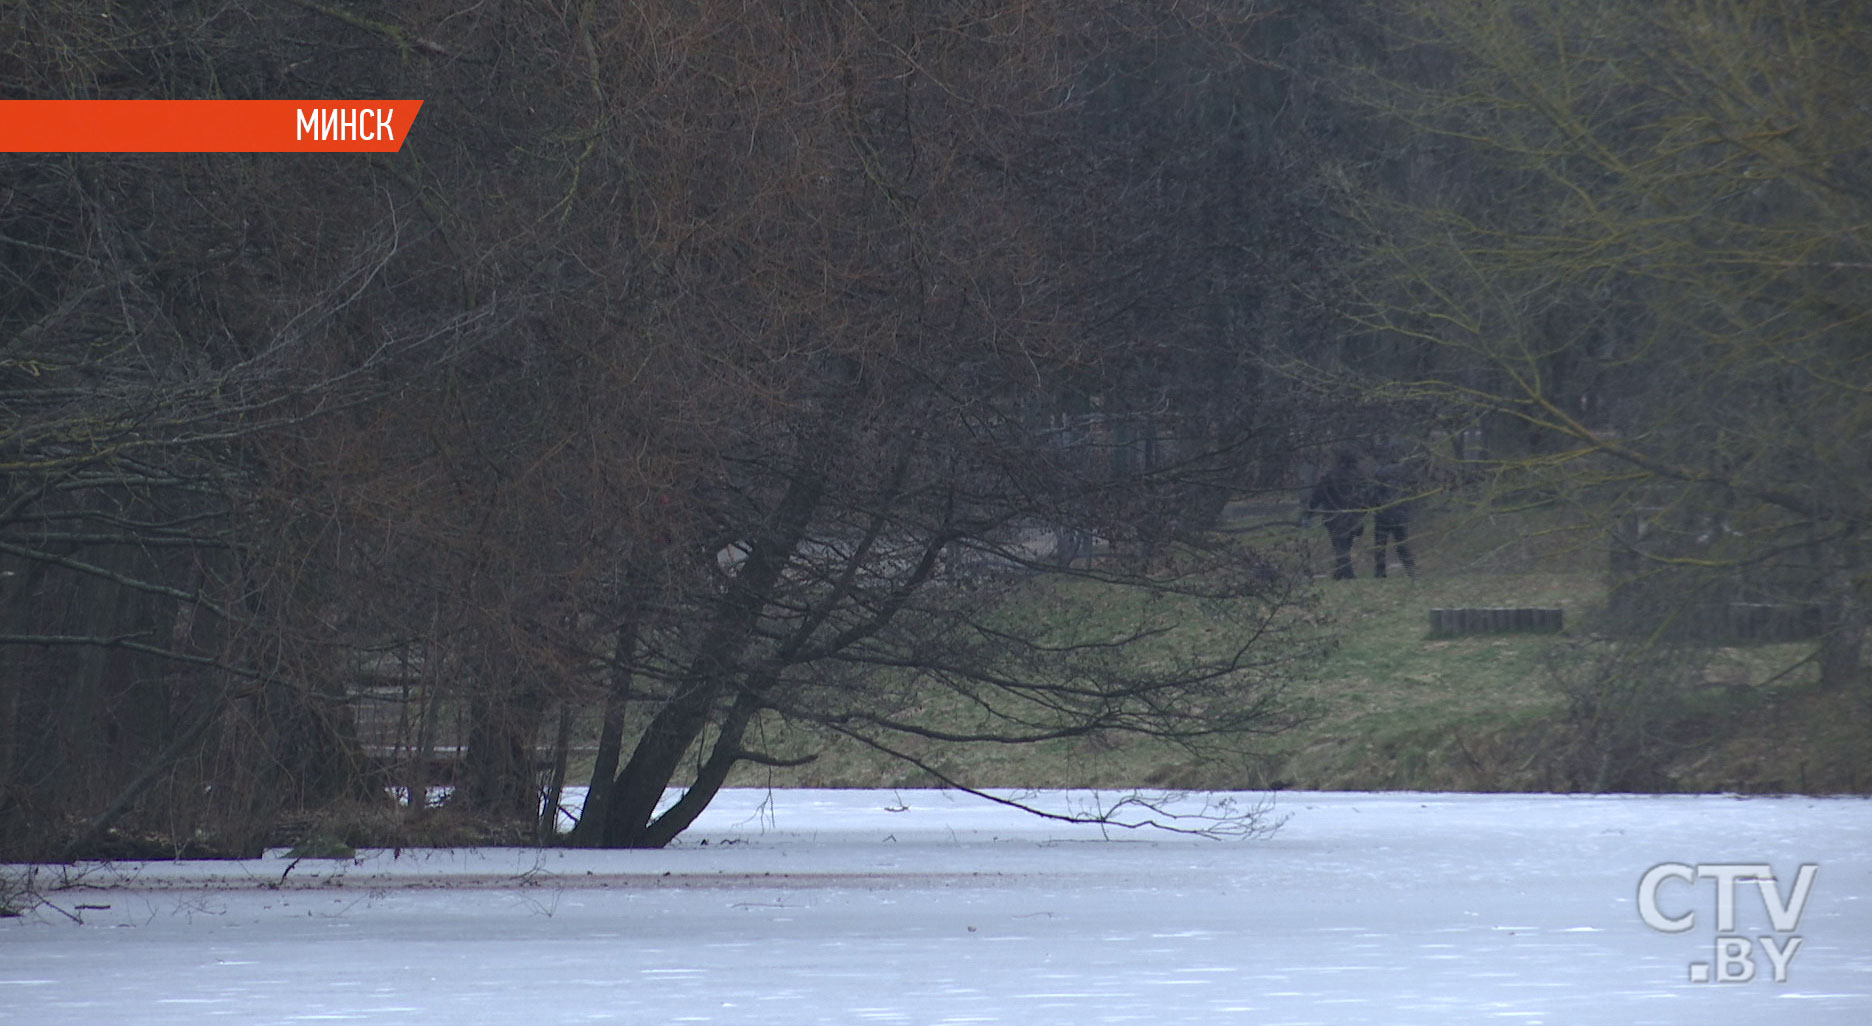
(1391, 502)
(1339, 498)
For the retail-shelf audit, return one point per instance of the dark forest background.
(703, 366)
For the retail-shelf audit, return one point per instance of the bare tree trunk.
(590, 830)
(497, 764)
(709, 780)
(555, 785)
(681, 721)
(1843, 643)
(1841, 651)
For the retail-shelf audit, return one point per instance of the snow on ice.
(928, 907)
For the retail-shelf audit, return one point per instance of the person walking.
(1339, 497)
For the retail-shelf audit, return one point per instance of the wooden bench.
(1449, 623)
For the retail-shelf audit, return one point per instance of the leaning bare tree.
(914, 245)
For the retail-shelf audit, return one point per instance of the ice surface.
(855, 907)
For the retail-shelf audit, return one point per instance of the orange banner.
(205, 126)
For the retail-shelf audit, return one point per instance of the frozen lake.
(929, 907)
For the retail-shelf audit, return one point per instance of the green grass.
(1391, 698)
(1390, 707)
(1386, 706)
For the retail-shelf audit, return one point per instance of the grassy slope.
(1393, 708)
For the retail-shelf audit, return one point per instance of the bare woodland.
(700, 367)
(1630, 239)
(706, 363)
